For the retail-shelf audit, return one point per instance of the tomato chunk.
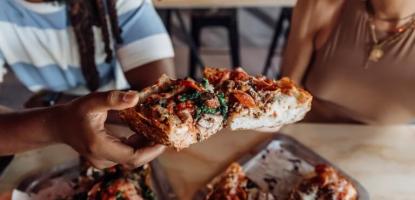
(190, 84)
(239, 75)
(265, 85)
(216, 76)
(244, 99)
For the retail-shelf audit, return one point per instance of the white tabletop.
(221, 3)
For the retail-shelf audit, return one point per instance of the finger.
(138, 141)
(111, 148)
(100, 163)
(119, 131)
(112, 100)
(145, 155)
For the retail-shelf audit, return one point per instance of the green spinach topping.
(203, 109)
(205, 83)
(223, 105)
(199, 99)
(194, 96)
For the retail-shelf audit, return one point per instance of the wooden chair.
(279, 31)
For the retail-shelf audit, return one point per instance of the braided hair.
(84, 15)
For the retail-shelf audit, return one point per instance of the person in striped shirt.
(80, 47)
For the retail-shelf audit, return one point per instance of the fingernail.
(129, 96)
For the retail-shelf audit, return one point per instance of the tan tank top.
(343, 88)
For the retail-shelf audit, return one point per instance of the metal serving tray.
(70, 171)
(279, 164)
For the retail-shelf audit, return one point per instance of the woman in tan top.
(357, 57)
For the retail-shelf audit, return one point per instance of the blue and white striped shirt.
(38, 44)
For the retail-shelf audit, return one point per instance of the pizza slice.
(182, 112)
(258, 102)
(117, 183)
(120, 188)
(234, 185)
(177, 113)
(324, 184)
(230, 185)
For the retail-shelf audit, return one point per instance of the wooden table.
(185, 4)
(380, 157)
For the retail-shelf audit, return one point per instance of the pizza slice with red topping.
(182, 112)
(234, 185)
(324, 184)
(119, 183)
(259, 102)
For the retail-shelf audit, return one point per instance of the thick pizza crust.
(283, 109)
(141, 125)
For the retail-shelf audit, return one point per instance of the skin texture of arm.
(146, 75)
(21, 131)
(312, 23)
(80, 124)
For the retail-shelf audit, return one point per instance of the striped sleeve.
(145, 38)
(3, 69)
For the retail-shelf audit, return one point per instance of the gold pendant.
(376, 54)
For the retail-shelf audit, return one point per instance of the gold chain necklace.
(377, 52)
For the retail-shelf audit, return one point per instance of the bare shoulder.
(316, 14)
(320, 6)
(312, 19)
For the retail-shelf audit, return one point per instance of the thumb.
(112, 100)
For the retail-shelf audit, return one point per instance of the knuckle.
(80, 108)
(112, 97)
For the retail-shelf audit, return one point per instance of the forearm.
(146, 75)
(26, 130)
(295, 63)
(79, 124)
(311, 26)
(299, 47)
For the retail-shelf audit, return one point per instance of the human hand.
(80, 124)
